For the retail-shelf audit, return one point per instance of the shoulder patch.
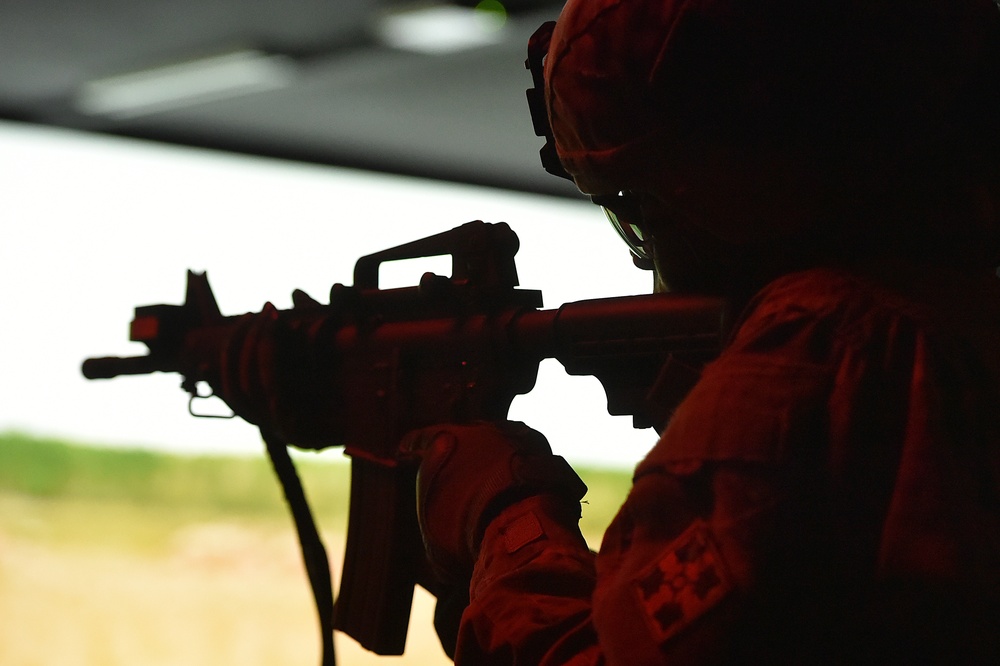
(685, 582)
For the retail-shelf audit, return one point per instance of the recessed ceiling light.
(184, 84)
(442, 28)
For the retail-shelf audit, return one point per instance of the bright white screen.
(94, 226)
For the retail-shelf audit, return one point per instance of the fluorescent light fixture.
(184, 84)
(441, 29)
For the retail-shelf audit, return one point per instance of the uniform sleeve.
(676, 576)
(531, 590)
(714, 551)
(714, 511)
(677, 562)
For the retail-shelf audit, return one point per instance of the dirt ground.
(221, 594)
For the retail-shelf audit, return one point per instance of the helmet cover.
(627, 78)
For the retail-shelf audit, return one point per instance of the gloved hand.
(469, 474)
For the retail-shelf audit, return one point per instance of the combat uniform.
(826, 493)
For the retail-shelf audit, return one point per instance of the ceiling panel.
(349, 99)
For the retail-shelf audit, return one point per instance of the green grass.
(606, 490)
(244, 486)
(61, 493)
(118, 496)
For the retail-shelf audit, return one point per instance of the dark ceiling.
(343, 95)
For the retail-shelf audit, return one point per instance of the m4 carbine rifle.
(373, 364)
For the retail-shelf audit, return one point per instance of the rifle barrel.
(107, 367)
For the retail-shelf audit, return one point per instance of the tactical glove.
(469, 474)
